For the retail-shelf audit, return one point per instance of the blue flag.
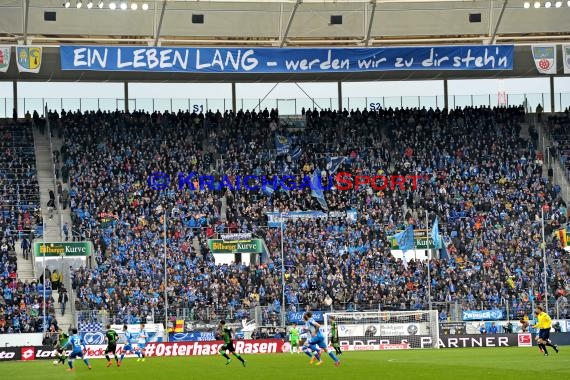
(317, 190)
(282, 144)
(333, 163)
(435, 234)
(267, 190)
(296, 154)
(405, 239)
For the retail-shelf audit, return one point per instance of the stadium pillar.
(15, 95)
(552, 107)
(445, 95)
(543, 246)
(283, 307)
(126, 95)
(339, 86)
(234, 100)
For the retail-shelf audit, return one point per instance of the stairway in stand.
(66, 320)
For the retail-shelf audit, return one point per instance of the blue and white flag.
(296, 153)
(333, 163)
(317, 189)
(405, 239)
(267, 190)
(282, 144)
(435, 234)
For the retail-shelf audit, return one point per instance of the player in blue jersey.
(77, 347)
(316, 340)
(141, 343)
(128, 347)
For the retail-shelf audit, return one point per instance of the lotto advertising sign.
(10, 353)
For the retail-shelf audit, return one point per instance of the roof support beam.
(367, 40)
(157, 34)
(26, 13)
(291, 17)
(494, 36)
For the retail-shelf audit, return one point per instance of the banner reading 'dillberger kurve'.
(544, 58)
(4, 58)
(29, 59)
(566, 57)
(62, 249)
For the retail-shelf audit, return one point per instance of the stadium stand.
(485, 184)
(20, 217)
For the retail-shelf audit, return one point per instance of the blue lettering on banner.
(297, 316)
(196, 336)
(477, 315)
(286, 60)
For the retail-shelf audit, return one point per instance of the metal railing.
(285, 106)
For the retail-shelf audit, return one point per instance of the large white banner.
(544, 58)
(566, 57)
(4, 58)
(19, 340)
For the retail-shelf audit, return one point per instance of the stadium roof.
(284, 23)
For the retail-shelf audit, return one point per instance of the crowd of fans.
(483, 183)
(20, 302)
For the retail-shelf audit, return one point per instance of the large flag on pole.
(406, 242)
(317, 189)
(405, 239)
(435, 234)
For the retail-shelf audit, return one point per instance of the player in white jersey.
(129, 347)
(141, 343)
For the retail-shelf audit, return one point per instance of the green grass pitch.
(456, 364)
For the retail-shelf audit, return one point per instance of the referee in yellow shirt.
(544, 324)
